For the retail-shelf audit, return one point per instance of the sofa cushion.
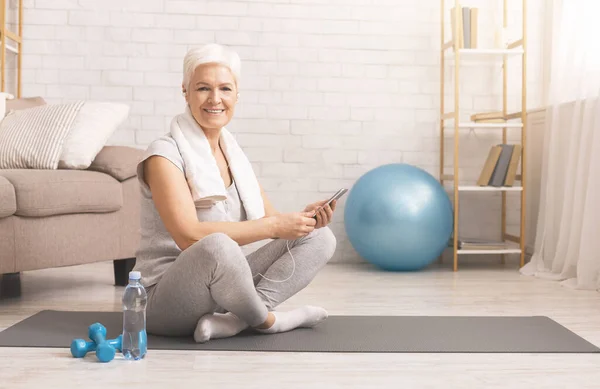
(118, 161)
(58, 192)
(24, 103)
(8, 202)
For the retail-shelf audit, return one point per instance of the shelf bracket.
(512, 238)
(448, 45)
(514, 44)
(12, 36)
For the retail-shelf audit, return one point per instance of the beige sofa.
(53, 218)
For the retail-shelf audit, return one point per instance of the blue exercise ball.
(398, 217)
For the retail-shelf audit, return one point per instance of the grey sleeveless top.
(157, 249)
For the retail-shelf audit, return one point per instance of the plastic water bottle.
(134, 318)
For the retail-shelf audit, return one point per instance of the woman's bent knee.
(217, 238)
(214, 243)
(216, 248)
(325, 242)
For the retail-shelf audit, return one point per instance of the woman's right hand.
(293, 225)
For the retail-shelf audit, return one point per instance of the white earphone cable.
(287, 243)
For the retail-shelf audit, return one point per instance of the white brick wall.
(330, 88)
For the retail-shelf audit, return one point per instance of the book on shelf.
(467, 26)
(501, 165)
(501, 168)
(478, 244)
(487, 116)
(513, 165)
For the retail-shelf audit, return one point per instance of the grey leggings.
(214, 275)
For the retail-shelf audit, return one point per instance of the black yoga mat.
(353, 334)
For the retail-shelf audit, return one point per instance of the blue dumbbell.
(105, 349)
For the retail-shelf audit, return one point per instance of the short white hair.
(210, 53)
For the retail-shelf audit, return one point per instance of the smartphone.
(336, 196)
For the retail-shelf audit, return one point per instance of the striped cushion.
(33, 138)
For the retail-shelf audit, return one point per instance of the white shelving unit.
(455, 56)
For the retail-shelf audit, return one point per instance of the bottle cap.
(135, 275)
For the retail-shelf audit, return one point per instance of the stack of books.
(467, 27)
(500, 168)
(489, 117)
(478, 244)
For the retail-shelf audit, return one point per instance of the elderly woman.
(200, 202)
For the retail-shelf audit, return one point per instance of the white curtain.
(567, 242)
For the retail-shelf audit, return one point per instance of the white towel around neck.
(201, 170)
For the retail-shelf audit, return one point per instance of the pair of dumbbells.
(105, 348)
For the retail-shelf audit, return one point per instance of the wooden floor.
(476, 289)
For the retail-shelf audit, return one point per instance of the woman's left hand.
(324, 214)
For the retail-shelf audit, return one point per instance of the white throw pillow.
(94, 125)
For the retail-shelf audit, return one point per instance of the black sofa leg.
(10, 285)
(122, 268)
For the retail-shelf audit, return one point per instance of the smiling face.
(212, 95)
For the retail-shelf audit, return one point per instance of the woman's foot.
(218, 325)
(307, 316)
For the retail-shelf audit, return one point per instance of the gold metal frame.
(17, 38)
(454, 45)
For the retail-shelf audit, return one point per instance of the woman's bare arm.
(176, 208)
(269, 208)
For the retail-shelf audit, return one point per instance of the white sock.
(218, 325)
(307, 316)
